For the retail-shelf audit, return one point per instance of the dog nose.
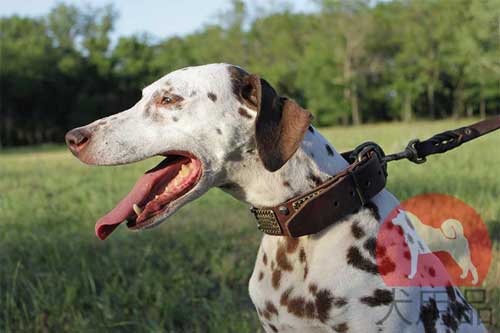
(77, 139)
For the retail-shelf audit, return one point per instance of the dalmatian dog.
(449, 237)
(218, 126)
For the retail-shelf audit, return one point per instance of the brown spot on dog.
(282, 259)
(357, 231)
(380, 297)
(276, 278)
(324, 300)
(310, 309)
(303, 259)
(313, 288)
(271, 308)
(273, 328)
(212, 96)
(356, 259)
(264, 259)
(175, 119)
(341, 328)
(286, 184)
(318, 308)
(266, 314)
(261, 275)
(285, 297)
(370, 246)
(296, 306)
(302, 255)
(315, 179)
(291, 244)
(218, 131)
(329, 150)
(244, 113)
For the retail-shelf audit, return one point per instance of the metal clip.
(413, 153)
(410, 153)
(363, 149)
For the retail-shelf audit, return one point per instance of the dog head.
(198, 118)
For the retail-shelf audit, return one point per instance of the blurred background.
(386, 71)
(349, 62)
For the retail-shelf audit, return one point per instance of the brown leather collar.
(341, 195)
(351, 189)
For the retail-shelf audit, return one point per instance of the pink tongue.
(142, 189)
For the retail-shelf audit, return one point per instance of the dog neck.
(314, 162)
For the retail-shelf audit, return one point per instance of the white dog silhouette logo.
(449, 237)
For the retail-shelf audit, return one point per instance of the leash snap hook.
(412, 153)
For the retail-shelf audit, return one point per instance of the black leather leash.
(417, 151)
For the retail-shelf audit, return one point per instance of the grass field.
(191, 273)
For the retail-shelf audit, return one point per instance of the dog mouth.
(154, 194)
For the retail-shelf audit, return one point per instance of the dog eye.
(167, 100)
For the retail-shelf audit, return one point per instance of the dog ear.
(280, 125)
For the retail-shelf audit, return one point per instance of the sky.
(160, 18)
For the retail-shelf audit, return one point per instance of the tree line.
(348, 62)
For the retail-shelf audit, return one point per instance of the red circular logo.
(433, 240)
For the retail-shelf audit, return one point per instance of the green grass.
(191, 273)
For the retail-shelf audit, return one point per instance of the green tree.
(350, 61)
(352, 23)
(27, 59)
